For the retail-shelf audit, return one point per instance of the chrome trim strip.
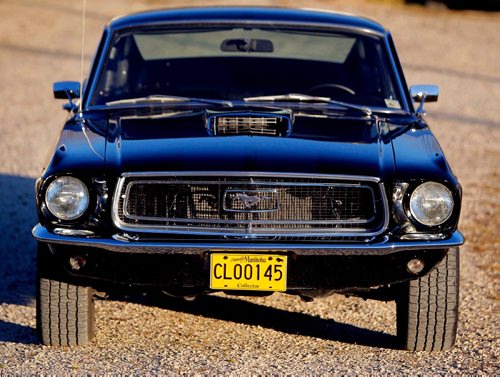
(252, 182)
(114, 200)
(385, 205)
(200, 231)
(144, 247)
(212, 221)
(245, 232)
(250, 174)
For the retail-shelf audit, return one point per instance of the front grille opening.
(278, 207)
(247, 124)
(173, 202)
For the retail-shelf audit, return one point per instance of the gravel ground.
(39, 44)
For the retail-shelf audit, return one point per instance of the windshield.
(233, 63)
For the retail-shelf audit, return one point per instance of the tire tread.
(65, 313)
(427, 308)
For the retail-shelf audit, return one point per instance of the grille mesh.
(245, 205)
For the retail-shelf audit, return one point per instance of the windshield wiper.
(161, 98)
(297, 97)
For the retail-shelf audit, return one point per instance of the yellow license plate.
(252, 272)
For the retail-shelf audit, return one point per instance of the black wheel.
(427, 308)
(64, 312)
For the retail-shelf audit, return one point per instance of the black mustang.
(248, 150)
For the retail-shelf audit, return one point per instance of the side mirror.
(67, 90)
(422, 94)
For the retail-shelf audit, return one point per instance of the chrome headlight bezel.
(78, 196)
(443, 204)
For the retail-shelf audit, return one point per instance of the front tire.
(64, 312)
(427, 308)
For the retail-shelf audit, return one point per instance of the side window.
(121, 69)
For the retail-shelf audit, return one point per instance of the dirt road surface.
(459, 51)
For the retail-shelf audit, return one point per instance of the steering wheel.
(332, 86)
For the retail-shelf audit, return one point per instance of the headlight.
(67, 198)
(431, 204)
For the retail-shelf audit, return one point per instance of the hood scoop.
(250, 123)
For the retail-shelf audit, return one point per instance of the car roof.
(248, 14)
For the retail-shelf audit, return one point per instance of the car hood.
(335, 147)
(112, 145)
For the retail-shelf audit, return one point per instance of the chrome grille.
(261, 205)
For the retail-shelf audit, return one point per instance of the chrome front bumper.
(170, 247)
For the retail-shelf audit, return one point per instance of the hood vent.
(249, 124)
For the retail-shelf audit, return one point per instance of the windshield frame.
(110, 36)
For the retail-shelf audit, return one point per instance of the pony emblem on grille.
(250, 201)
(238, 200)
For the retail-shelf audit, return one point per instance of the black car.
(248, 151)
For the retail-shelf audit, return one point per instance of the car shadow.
(17, 246)
(245, 312)
(15, 333)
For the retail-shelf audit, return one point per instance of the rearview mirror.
(247, 45)
(426, 93)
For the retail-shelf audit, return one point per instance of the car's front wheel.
(65, 312)
(427, 308)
